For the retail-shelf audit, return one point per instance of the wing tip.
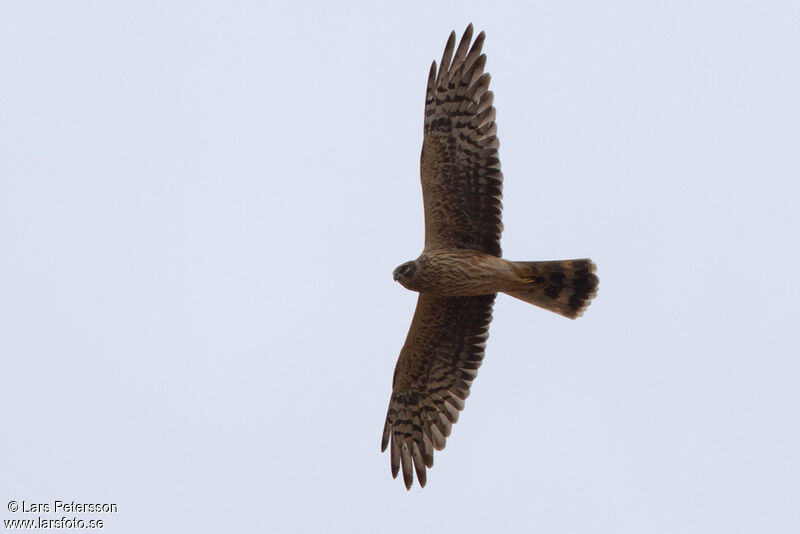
(469, 29)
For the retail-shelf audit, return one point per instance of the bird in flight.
(461, 269)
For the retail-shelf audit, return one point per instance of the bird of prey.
(461, 270)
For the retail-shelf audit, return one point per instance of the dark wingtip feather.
(447, 55)
(386, 435)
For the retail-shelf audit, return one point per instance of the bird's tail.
(564, 287)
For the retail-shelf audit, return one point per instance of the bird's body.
(461, 273)
(461, 270)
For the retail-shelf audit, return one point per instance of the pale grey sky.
(201, 206)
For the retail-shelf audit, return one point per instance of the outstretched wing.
(460, 169)
(439, 361)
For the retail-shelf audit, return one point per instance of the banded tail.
(564, 287)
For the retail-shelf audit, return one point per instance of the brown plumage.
(461, 270)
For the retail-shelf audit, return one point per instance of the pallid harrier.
(460, 269)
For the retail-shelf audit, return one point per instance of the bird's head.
(405, 273)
